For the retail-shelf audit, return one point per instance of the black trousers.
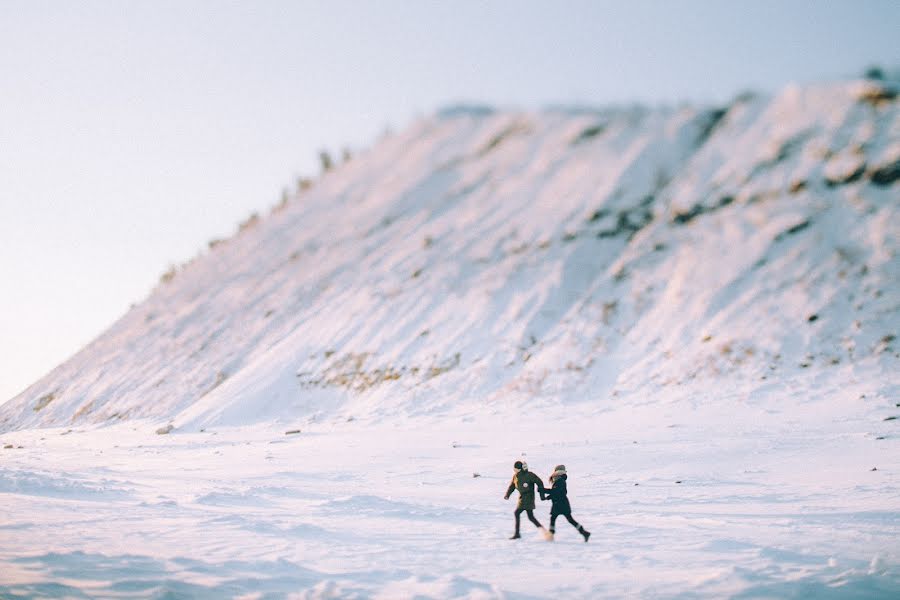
(568, 517)
(530, 514)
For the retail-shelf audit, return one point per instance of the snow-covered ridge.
(485, 258)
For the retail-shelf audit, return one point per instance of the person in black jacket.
(561, 506)
(525, 481)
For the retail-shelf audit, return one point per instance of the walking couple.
(525, 481)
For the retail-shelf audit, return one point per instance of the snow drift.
(488, 258)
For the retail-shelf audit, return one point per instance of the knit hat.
(520, 464)
(558, 470)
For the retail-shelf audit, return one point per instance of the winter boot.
(515, 536)
(584, 532)
(548, 535)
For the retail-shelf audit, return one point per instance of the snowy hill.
(565, 256)
(695, 309)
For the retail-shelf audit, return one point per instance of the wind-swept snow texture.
(696, 310)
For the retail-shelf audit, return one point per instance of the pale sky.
(133, 132)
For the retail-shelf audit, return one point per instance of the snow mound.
(494, 258)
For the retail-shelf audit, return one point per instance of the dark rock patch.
(682, 218)
(885, 175)
(844, 179)
(797, 187)
(876, 95)
(588, 133)
(600, 213)
(792, 230)
(711, 121)
(628, 223)
(511, 131)
(44, 400)
(786, 149)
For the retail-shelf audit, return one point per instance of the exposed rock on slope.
(485, 257)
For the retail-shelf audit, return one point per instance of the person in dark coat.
(558, 495)
(525, 481)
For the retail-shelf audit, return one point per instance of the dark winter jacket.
(525, 482)
(558, 495)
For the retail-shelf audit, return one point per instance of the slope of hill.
(488, 257)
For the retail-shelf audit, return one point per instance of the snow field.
(392, 510)
(695, 309)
